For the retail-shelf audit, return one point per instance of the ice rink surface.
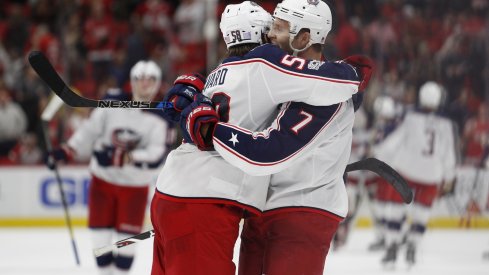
(47, 251)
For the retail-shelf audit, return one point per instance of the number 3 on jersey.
(430, 142)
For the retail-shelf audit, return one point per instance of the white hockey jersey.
(421, 148)
(146, 132)
(306, 150)
(246, 92)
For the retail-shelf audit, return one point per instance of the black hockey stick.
(370, 164)
(46, 116)
(125, 242)
(46, 72)
(385, 171)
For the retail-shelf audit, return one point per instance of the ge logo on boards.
(76, 191)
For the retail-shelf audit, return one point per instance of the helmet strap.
(297, 51)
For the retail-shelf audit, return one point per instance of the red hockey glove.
(198, 122)
(195, 80)
(182, 94)
(364, 65)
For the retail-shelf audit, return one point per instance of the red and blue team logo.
(313, 2)
(125, 138)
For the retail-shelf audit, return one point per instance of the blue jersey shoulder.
(231, 59)
(268, 52)
(339, 70)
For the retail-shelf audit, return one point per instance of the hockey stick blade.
(125, 242)
(385, 171)
(48, 74)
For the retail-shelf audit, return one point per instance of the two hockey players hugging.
(267, 141)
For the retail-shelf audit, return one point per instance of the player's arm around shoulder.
(340, 80)
(275, 56)
(292, 135)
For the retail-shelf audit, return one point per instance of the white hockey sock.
(101, 237)
(395, 214)
(420, 215)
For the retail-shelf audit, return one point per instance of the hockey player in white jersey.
(306, 149)
(355, 180)
(387, 117)
(127, 148)
(200, 189)
(422, 150)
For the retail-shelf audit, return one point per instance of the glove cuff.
(194, 80)
(195, 123)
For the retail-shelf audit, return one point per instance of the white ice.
(47, 251)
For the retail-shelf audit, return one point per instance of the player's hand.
(182, 94)
(198, 122)
(112, 156)
(62, 153)
(364, 66)
(357, 101)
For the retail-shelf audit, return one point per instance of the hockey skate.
(341, 236)
(379, 244)
(485, 255)
(390, 256)
(410, 254)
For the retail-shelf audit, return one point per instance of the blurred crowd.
(94, 43)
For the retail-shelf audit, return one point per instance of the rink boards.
(29, 196)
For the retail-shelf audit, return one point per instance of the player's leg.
(377, 198)
(420, 214)
(196, 238)
(252, 247)
(131, 209)
(101, 220)
(157, 267)
(298, 242)
(395, 217)
(353, 187)
(101, 237)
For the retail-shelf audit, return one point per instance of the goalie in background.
(422, 150)
(127, 148)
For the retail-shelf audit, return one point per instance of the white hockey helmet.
(430, 95)
(244, 23)
(314, 15)
(146, 69)
(385, 107)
